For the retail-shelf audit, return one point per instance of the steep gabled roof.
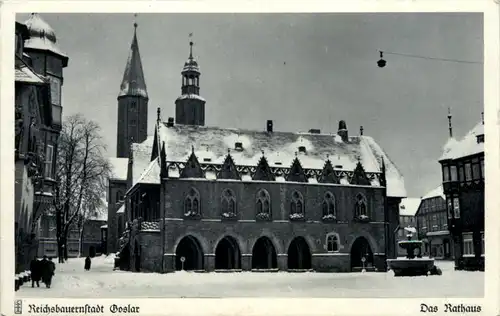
(409, 206)
(436, 192)
(296, 173)
(152, 173)
(141, 158)
(133, 83)
(228, 169)
(280, 148)
(455, 149)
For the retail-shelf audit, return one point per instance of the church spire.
(133, 83)
(132, 102)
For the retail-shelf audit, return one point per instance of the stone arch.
(311, 243)
(371, 241)
(240, 241)
(191, 250)
(264, 255)
(227, 254)
(361, 248)
(299, 254)
(202, 240)
(278, 244)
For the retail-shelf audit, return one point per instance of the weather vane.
(135, 20)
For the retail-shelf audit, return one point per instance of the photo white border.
(257, 306)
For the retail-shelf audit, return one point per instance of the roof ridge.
(209, 127)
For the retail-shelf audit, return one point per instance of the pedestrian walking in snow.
(43, 266)
(36, 273)
(48, 268)
(88, 262)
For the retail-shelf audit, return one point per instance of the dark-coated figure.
(36, 272)
(48, 268)
(88, 262)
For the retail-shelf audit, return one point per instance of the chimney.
(314, 131)
(170, 122)
(269, 126)
(342, 132)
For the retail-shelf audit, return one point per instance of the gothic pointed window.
(228, 203)
(332, 242)
(263, 205)
(360, 207)
(328, 207)
(192, 203)
(296, 206)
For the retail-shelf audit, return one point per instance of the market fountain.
(413, 264)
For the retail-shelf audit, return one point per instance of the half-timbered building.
(432, 225)
(463, 185)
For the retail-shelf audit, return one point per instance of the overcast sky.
(301, 70)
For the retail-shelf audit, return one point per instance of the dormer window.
(238, 146)
(480, 138)
(302, 149)
(207, 159)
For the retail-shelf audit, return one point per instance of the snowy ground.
(102, 282)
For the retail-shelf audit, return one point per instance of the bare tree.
(81, 171)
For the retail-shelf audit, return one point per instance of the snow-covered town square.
(249, 155)
(101, 282)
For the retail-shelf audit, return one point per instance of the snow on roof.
(211, 145)
(191, 96)
(119, 168)
(104, 226)
(121, 209)
(152, 173)
(468, 146)
(43, 44)
(436, 192)
(141, 158)
(42, 36)
(133, 82)
(25, 74)
(409, 206)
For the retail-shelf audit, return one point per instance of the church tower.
(132, 103)
(190, 107)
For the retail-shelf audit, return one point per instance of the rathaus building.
(194, 196)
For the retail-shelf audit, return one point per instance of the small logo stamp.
(18, 307)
